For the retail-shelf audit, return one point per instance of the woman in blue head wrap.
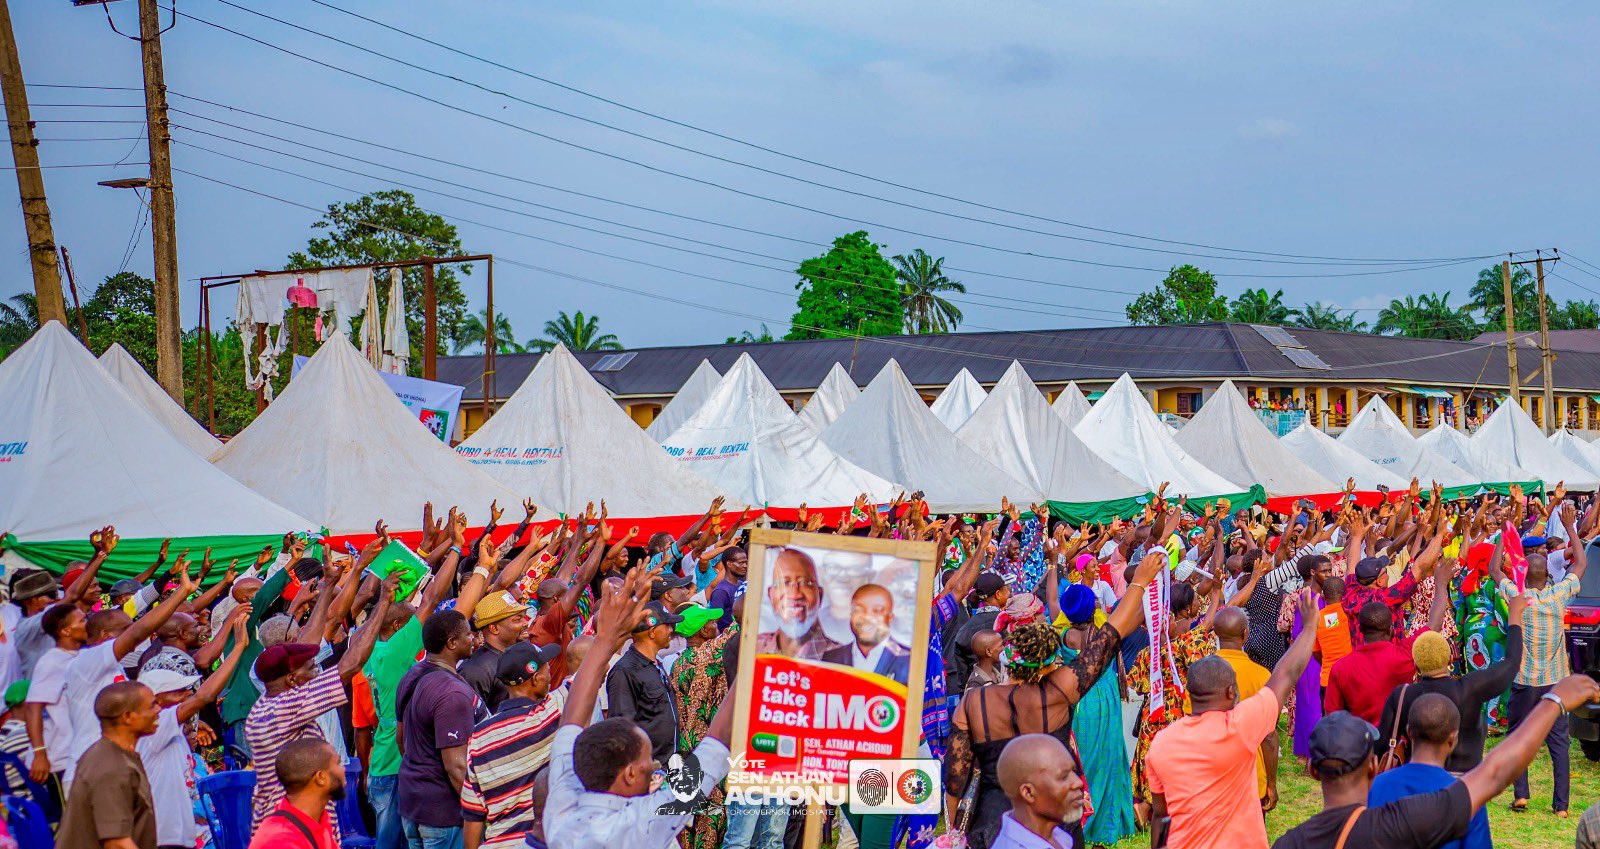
(1097, 725)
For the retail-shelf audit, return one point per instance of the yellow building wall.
(643, 414)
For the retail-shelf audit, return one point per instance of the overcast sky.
(1382, 131)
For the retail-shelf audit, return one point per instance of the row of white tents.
(85, 444)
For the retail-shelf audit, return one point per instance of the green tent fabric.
(1101, 512)
(1452, 493)
(133, 556)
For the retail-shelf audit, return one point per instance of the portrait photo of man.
(872, 649)
(796, 598)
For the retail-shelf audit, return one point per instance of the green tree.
(1488, 296)
(1187, 296)
(577, 331)
(1319, 316)
(471, 333)
(1427, 316)
(1256, 306)
(848, 290)
(384, 227)
(1575, 315)
(747, 337)
(122, 310)
(19, 318)
(923, 282)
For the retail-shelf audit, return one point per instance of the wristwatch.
(1555, 700)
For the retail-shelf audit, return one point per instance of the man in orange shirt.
(1333, 628)
(312, 776)
(1202, 767)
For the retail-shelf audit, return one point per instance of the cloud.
(1268, 128)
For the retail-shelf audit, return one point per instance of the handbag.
(1393, 757)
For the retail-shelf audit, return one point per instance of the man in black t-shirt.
(1343, 758)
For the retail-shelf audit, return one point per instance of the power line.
(775, 152)
(749, 194)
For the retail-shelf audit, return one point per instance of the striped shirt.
(1544, 639)
(275, 722)
(503, 754)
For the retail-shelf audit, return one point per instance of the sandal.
(1519, 805)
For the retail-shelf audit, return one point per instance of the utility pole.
(1547, 358)
(30, 180)
(1511, 334)
(163, 223)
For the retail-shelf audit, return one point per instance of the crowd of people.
(546, 685)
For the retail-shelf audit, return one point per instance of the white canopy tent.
(686, 402)
(1017, 431)
(1123, 429)
(1338, 462)
(890, 432)
(1585, 454)
(1510, 434)
(836, 392)
(561, 438)
(1230, 439)
(125, 370)
(1379, 435)
(338, 446)
(79, 453)
(959, 400)
(748, 443)
(1071, 405)
(1455, 446)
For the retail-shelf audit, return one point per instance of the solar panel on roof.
(1304, 358)
(614, 362)
(1277, 336)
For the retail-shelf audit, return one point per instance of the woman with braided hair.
(1040, 699)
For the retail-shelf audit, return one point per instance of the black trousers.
(1523, 701)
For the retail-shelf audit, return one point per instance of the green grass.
(1300, 797)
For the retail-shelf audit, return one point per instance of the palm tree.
(1427, 316)
(1319, 316)
(472, 333)
(748, 338)
(1255, 306)
(577, 331)
(18, 320)
(1488, 296)
(1575, 315)
(922, 280)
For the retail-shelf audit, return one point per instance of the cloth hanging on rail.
(342, 292)
(372, 327)
(396, 339)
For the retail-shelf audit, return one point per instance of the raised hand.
(105, 540)
(530, 508)
(264, 557)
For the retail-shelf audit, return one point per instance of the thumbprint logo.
(883, 714)
(914, 787)
(873, 787)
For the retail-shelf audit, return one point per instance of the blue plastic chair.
(226, 797)
(28, 826)
(38, 794)
(352, 828)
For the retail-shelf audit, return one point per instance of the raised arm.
(694, 529)
(585, 576)
(104, 541)
(146, 626)
(207, 654)
(211, 689)
(439, 586)
(1130, 610)
(619, 608)
(359, 647)
(1287, 673)
(161, 558)
(1578, 561)
(209, 597)
(1507, 760)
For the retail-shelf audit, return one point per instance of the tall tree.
(1575, 315)
(1256, 306)
(848, 290)
(1187, 296)
(387, 226)
(19, 318)
(1319, 316)
(577, 331)
(922, 285)
(1488, 296)
(473, 331)
(1427, 316)
(123, 310)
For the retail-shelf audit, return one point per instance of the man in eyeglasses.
(796, 598)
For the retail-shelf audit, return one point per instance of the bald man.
(114, 810)
(1036, 773)
(796, 598)
(872, 649)
(1232, 627)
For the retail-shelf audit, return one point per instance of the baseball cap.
(521, 660)
(1344, 738)
(988, 584)
(126, 586)
(668, 581)
(166, 681)
(495, 607)
(281, 659)
(656, 613)
(1532, 541)
(1326, 547)
(34, 585)
(695, 617)
(1370, 568)
(16, 693)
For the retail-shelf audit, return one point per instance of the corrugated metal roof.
(1199, 351)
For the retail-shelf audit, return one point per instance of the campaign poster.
(434, 404)
(833, 669)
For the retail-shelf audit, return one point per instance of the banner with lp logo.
(834, 672)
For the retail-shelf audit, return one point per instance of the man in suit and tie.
(871, 614)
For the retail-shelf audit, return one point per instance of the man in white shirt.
(1046, 794)
(48, 721)
(600, 775)
(872, 649)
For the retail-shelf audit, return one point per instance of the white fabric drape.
(396, 339)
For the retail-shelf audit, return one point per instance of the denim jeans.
(419, 836)
(382, 793)
(756, 826)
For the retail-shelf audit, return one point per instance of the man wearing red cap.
(297, 693)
